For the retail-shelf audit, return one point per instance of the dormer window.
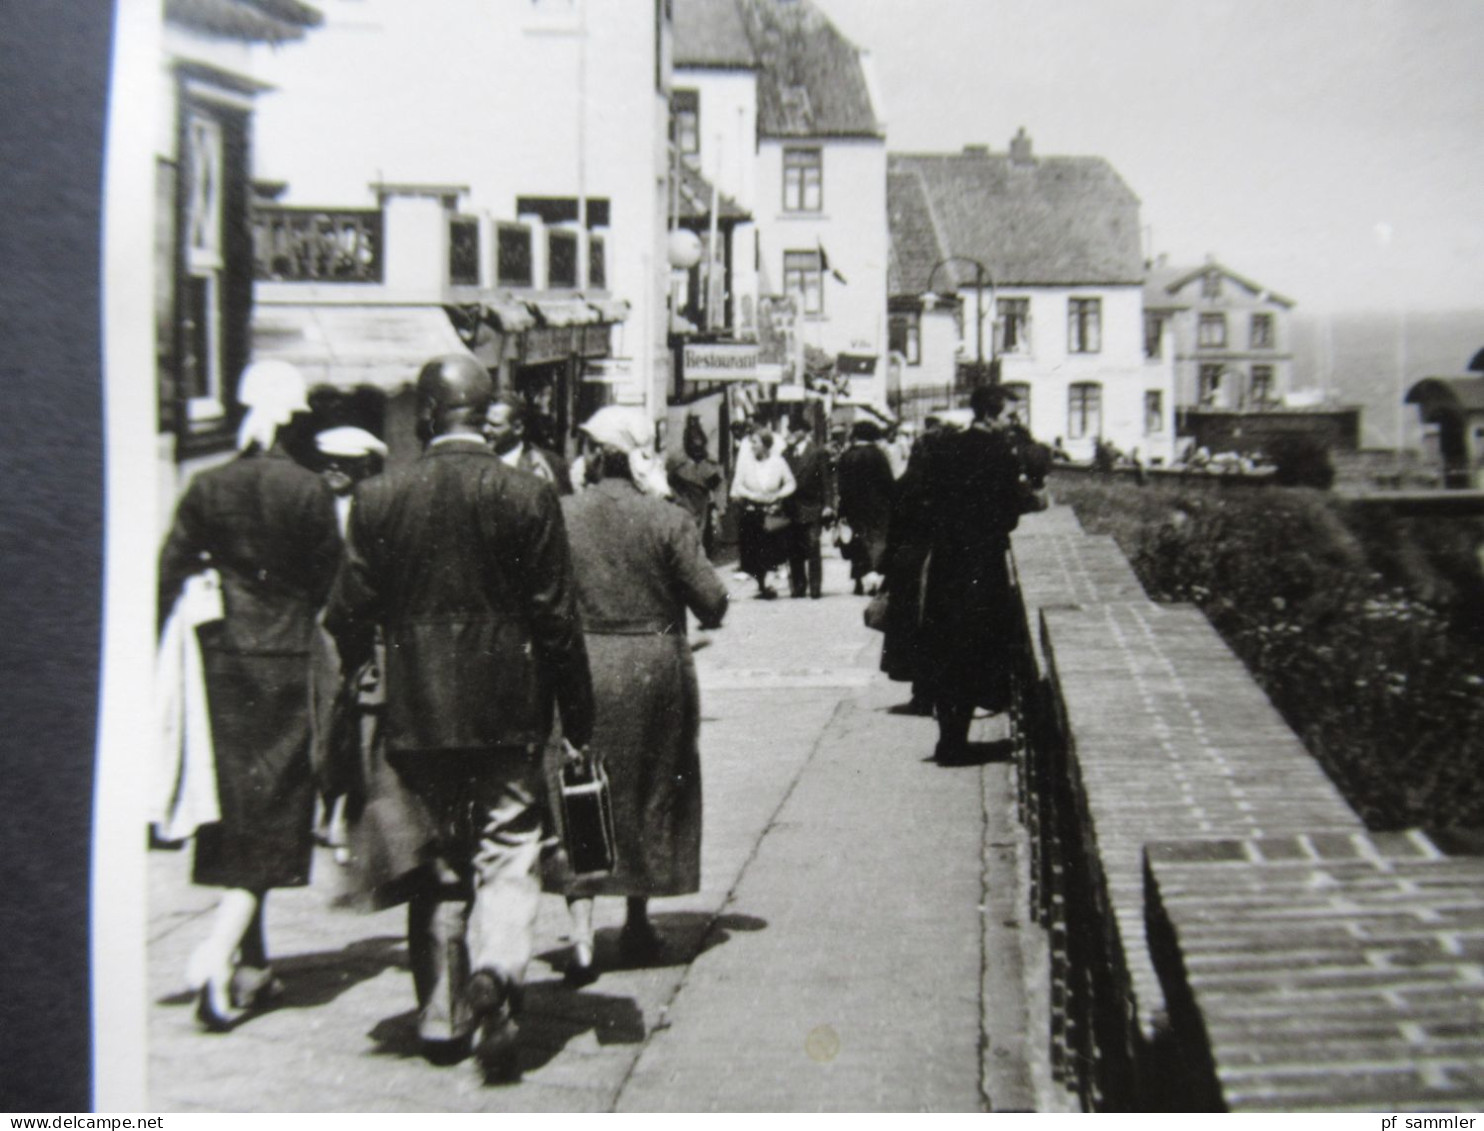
(1211, 284)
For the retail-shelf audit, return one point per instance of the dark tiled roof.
(695, 199)
(1048, 221)
(253, 21)
(915, 246)
(710, 33)
(811, 83)
(1166, 286)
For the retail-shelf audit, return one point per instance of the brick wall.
(1160, 789)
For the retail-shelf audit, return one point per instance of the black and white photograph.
(790, 555)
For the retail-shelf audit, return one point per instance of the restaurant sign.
(721, 362)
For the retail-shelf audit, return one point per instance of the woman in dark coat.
(866, 486)
(639, 566)
(267, 527)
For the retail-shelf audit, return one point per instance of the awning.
(610, 309)
(509, 316)
(347, 346)
(563, 312)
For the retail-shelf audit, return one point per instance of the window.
(513, 255)
(1262, 331)
(803, 276)
(1211, 332)
(1262, 386)
(1084, 325)
(803, 180)
(1210, 385)
(1211, 284)
(561, 258)
(597, 263)
(1014, 317)
(201, 337)
(1154, 332)
(685, 121)
(1084, 410)
(463, 251)
(1154, 412)
(905, 333)
(1020, 402)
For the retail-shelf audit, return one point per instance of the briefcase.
(587, 819)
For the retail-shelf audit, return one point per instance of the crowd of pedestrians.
(425, 648)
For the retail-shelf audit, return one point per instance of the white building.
(779, 109)
(1047, 251)
(504, 158)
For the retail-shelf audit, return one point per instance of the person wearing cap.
(267, 527)
(808, 507)
(640, 566)
(965, 646)
(348, 455)
(463, 565)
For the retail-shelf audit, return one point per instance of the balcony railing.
(316, 245)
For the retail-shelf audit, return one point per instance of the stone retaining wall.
(1161, 789)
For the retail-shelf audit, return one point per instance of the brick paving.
(856, 944)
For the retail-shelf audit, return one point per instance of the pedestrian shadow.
(686, 934)
(553, 1016)
(978, 754)
(311, 980)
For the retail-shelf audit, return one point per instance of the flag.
(824, 264)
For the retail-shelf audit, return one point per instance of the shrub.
(1301, 461)
(1360, 629)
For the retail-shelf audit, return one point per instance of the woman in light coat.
(761, 483)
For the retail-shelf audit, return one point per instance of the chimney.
(1020, 149)
(976, 151)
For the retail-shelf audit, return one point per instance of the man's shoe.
(912, 707)
(495, 1001)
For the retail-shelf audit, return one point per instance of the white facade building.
(1047, 250)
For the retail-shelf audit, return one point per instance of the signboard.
(546, 343)
(721, 362)
(613, 370)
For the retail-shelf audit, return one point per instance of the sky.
(1328, 149)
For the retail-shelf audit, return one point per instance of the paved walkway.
(855, 945)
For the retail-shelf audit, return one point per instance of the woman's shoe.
(214, 1010)
(640, 944)
(767, 593)
(581, 970)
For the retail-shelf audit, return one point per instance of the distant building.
(1451, 408)
(1038, 259)
(778, 108)
(1231, 337)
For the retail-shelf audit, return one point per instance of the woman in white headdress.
(639, 567)
(267, 527)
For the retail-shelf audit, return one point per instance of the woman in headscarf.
(267, 527)
(639, 567)
(761, 483)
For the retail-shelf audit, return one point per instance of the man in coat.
(807, 507)
(511, 432)
(966, 643)
(463, 563)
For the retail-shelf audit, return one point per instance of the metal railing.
(317, 245)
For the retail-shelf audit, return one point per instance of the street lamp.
(981, 274)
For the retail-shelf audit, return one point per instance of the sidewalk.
(854, 946)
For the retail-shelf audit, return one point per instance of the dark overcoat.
(812, 474)
(268, 527)
(639, 568)
(966, 645)
(464, 565)
(867, 488)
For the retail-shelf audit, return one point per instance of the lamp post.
(981, 275)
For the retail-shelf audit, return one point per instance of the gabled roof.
(915, 245)
(811, 82)
(1175, 287)
(711, 33)
(1048, 221)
